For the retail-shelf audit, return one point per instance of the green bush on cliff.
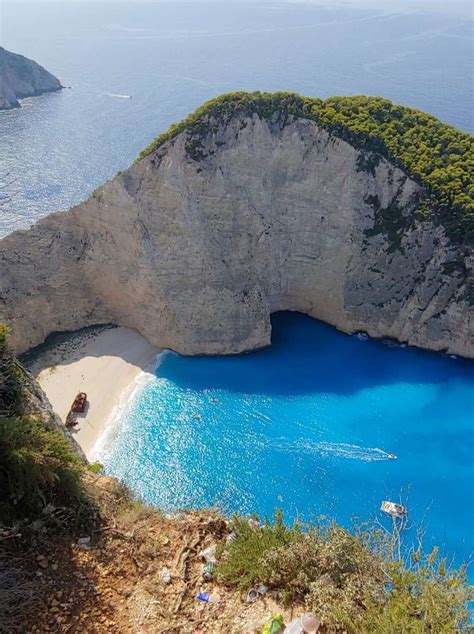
(425, 596)
(353, 582)
(10, 379)
(37, 465)
(437, 155)
(243, 565)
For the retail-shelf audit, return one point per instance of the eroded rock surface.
(196, 254)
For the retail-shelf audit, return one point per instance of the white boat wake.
(117, 96)
(339, 450)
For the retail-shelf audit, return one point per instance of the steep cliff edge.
(22, 77)
(243, 211)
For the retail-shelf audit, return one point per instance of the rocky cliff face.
(22, 77)
(37, 405)
(197, 253)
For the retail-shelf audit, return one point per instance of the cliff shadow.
(65, 348)
(51, 580)
(308, 356)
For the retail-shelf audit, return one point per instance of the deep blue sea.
(307, 425)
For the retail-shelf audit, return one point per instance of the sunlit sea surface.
(169, 57)
(306, 425)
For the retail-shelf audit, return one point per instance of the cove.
(307, 425)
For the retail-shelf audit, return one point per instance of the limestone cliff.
(196, 244)
(22, 77)
(37, 405)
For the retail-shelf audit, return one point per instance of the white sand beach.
(103, 363)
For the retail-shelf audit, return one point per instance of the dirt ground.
(109, 578)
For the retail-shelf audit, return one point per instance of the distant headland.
(21, 77)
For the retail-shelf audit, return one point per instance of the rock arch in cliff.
(196, 252)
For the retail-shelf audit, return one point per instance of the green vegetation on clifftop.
(354, 583)
(437, 155)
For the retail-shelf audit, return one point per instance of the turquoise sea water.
(307, 425)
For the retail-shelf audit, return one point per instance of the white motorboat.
(393, 509)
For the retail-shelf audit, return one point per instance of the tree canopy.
(437, 155)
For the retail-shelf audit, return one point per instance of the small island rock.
(21, 77)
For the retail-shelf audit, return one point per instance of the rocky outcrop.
(196, 252)
(22, 77)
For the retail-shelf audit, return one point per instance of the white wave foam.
(124, 405)
(160, 357)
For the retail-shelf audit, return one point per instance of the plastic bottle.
(308, 623)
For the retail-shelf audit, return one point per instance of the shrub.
(244, 564)
(426, 596)
(329, 570)
(10, 378)
(96, 467)
(37, 467)
(353, 582)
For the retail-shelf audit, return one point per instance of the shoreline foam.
(125, 401)
(105, 364)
